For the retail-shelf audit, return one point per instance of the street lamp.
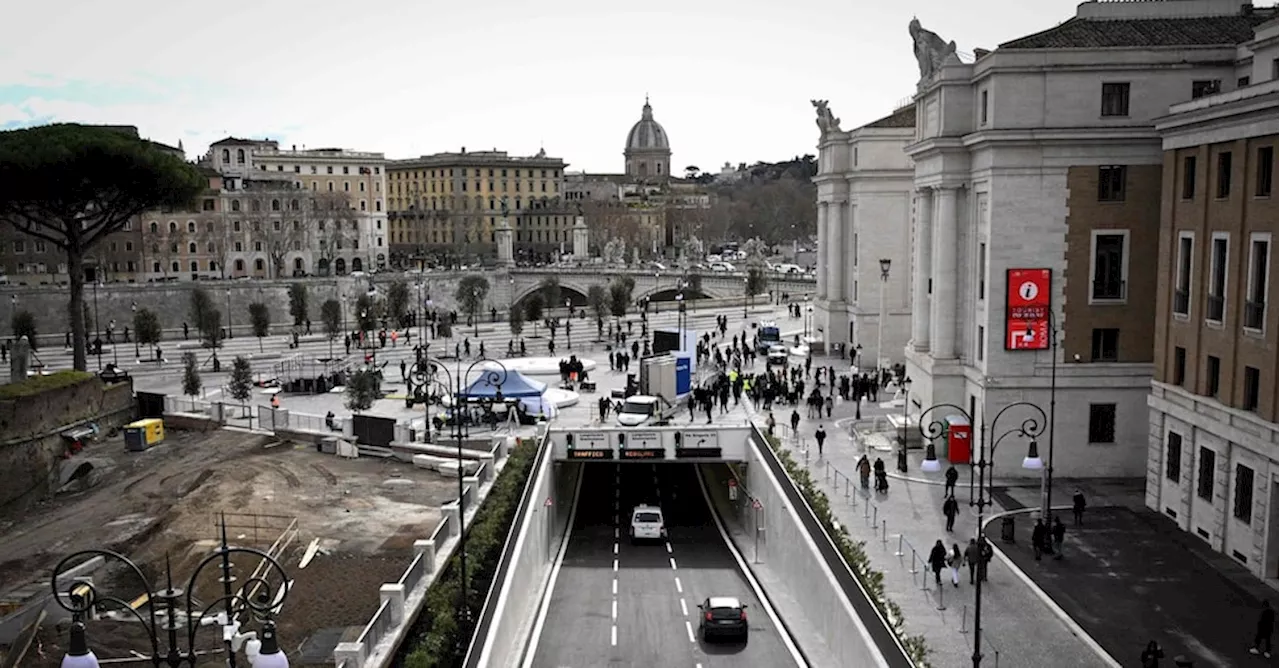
(881, 358)
(1046, 479)
(230, 327)
(1031, 428)
(422, 376)
(261, 599)
(97, 323)
(746, 290)
(137, 345)
(902, 450)
(568, 323)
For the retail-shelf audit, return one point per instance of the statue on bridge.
(19, 360)
(615, 251)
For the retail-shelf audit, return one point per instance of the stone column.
(835, 253)
(580, 239)
(942, 339)
(922, 260)
(506, 244)
(822, 250)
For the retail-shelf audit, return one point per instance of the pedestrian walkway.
(1129, 575)
(898, 530)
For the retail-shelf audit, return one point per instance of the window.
(983, 108)
(1255, 305)
(1110, 258)
(1179, 365)
(1242, 82)
(1265, 171)
(207, 205)
(1212, 373)
(1111, 183)
(19, 247)
(1252, 389)
(1218, 278)
(982, 270)
(1173, 457)
(1102, 423)
(1242, 500)
(982, 342)
(1182, 284)
(1204, 481)
(1115, 99)
(1205, 87)
(1106, 345)
(1224, 175)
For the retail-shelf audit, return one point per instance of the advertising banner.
(1027, 317)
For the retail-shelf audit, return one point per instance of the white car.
(647, 524)
(637, 410)
(777, 355)
(722, 266)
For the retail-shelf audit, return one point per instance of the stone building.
(865, 190)
(446, 207)
(1038, 171)
(1212, 452)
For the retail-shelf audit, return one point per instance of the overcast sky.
(730, 80)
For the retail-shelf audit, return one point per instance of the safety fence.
(858, 493)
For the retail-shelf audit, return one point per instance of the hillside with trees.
(776, 201)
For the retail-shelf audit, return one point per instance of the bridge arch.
(575, 293)
(665, 293)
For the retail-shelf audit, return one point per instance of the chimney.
(295, 147)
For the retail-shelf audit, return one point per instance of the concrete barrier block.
(472, 484)
(351, 652)
(451, 517)
(486, 467)
(426, 548)
(393, 596)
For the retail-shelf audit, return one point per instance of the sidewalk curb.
(1053, 606)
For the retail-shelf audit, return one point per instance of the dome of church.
(647, 134)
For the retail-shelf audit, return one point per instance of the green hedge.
(39, 384)
(854, 554)
(437, 640)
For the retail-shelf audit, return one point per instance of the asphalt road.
(616, 604)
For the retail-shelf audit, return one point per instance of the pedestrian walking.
(795, 420)
(1151, 655)
(1059, 534)
(1037, 539)
(951, 508)
(952, 475)
(937, 559)
(821, 437)
(1266, 626)
(864, 471)
(275, 401)
(882, 478)
(953, 562)
(972, 557)
(984, 566)
(1077, 507)
(185, 331)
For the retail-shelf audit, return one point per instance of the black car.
(723, 616)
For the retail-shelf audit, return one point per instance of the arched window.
(357, 265)
(517, 203)
(297, 264)
(226, 155)
(293, 205)
(259, 265)
(191, 226)
(155, 229)
(191, 248)
(174, 267)
(275, 205)
(211, 247)
(239, 265)
(208, 227)
(195, 266)
(235, 205)
(255, 205)
(322, 265)
(240, 156)
(173, 227)
(213, 265)
(340, 266)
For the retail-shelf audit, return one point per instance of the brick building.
(1212, 453)
(1038, 170)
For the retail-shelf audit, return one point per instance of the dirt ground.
(165, 502)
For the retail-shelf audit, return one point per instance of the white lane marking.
(684, 608)
(668, 548)
(697, 665)
(615, 565)
(688, 627)
(615, 548)
(613, 635)
(615, 533)
(673, 562)
(615, 609)
(615, 586)
(679, 587)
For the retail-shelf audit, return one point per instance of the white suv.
(647, 524)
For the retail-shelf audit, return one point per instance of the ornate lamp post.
(906, 404)
(882, 360)
(137, 349)
(568, 323)
(97, 323)
(424, 375)
(1031, 428)
(746, 289)
(230, 327)
(178, 608)
(1046, 480)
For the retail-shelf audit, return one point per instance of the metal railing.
(414, 574)
(316, 423)
(179, 404)
(382, 623)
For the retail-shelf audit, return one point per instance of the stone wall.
(32, 444)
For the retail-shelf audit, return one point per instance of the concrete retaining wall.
(515, 606)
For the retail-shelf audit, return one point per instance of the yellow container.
(151, 428)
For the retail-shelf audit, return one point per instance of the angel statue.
(505, 208)
(615, 251)
(930, 50)
(827, 121)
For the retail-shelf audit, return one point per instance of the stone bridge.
(517, 283)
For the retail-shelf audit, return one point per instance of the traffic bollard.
(942, 605)
(924, 578)
(875, 516)
(884, 532)
(914, 570)
(964, 619)
(846, 487)
(899, 552)
(866, 509)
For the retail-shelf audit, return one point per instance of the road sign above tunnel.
(650, 443)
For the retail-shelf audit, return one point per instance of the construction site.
(340, 527)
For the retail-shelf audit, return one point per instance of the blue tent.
(515, 385)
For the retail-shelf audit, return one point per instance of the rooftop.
(465, 157)
(1088, 33)
(902, 118)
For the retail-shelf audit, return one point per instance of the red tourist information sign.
(1027, 318)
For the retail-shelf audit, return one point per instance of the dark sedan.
(723, 616)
